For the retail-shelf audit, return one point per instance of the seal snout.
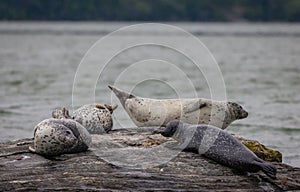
(241, 113)
(244, 114)
(237, 110)
(170, 129)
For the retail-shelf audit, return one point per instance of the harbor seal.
(223, 147)
(58, 136)
(146, 112)
(96, 118)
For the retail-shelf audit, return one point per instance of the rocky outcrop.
(92, 170)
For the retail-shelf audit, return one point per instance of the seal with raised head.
(96, 118)
(146, 112)
(58, 136)
(217, 145)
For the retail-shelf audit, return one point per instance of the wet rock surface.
(22, 170)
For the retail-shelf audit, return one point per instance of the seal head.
(237, 110)
(171, 128)
(58, 136)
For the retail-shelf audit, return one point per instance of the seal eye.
(68, 132)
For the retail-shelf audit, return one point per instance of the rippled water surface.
(260, 64)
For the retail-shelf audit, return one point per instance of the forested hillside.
(151, 10)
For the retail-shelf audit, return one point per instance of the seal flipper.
(122, 95)
(268, 168)
(181, 145)
(194, 106)
(73, 127)
(99, 106)
(31, 149)
(111, 108)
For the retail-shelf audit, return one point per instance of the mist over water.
(259, 63)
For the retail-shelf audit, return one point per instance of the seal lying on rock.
(147, 112)
(96, 118)
(58, 136)
(217, 145)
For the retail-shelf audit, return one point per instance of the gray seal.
(96, 118)
(54, 137)
(217, 145)
(146, 112)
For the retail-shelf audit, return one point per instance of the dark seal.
(217, 145)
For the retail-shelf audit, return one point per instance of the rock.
(22, 171)
(260, 150)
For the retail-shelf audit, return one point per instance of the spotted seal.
(217, 145)
(147, 112)
(96, 118)
(58, 136)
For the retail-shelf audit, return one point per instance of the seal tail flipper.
(122, 95)
(268, 168)
(61, 113)
(99, 106)
(111, 108)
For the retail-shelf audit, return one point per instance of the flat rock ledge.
(92, 170)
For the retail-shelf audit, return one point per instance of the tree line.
(151, 10)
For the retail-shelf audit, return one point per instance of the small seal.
(217, 145)
(146, 112)
(96, 118)
(54, 137)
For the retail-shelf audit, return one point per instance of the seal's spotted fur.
(58, 136)
(96, 118)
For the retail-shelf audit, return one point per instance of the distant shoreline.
(64, 27)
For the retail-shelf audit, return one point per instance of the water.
(259, 64)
